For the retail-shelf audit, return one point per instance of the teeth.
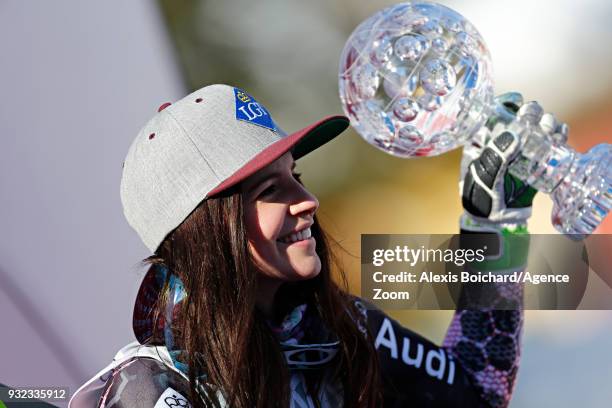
(297, 236)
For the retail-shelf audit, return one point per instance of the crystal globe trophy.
(415, 80)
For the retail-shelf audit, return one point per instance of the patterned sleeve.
(485, 331)
(415, 371)
(477, 363)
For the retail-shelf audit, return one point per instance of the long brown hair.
(226, 337)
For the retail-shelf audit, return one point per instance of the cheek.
(264, 223)
(262, 230)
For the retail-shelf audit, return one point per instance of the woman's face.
(278, 214)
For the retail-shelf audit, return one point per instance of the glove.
(492, 196)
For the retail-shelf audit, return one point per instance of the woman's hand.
(490, 194)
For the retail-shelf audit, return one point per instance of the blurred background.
(79, 79)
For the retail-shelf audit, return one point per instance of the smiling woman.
(278, 214)
(238, 307)
(238, 294)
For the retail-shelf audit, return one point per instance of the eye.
(268, 190)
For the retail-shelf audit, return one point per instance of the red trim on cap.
(279, 148)
(163, 106)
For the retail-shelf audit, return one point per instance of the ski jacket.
(475, 366)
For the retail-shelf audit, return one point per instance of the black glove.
(490, 194)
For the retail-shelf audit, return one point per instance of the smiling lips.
(296, 236)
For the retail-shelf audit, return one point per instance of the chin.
(307, 272)
(306, 275)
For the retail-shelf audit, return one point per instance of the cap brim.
(300, 143)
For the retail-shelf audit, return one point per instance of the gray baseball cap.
(199, 146)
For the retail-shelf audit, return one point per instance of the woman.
(238, 307)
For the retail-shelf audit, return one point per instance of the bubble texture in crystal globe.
(415, 79)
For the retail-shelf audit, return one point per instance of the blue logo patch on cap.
(249, 110)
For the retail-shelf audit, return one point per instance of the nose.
(305, 203)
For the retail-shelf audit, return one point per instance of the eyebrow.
(261, 179)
